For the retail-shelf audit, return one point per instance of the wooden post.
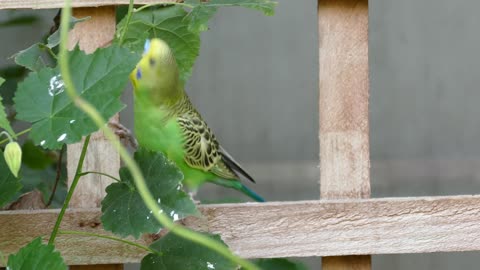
(94, 33)
(344, 85)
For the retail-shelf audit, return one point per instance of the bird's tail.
(250, 193)
(239, 186)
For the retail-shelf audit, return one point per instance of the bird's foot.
(124, 134)
(192, 197)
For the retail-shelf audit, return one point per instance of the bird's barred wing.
(201, 147)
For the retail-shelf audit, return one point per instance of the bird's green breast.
(157, 130)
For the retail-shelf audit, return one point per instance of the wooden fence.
(345, 226)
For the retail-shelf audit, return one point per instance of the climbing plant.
(63, 105)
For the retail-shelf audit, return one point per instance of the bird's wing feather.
(233, 164)
(201, 147)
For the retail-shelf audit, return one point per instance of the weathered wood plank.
(101, 155)
(298, 229)
(48, 4)
(344, 145)
(344, 86)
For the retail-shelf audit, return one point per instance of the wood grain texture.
(298, 229)
(344, 145)
(101, 156)
(344, 86)
(47, 4)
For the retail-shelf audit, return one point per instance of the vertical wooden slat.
(344, 85)
(101, 156)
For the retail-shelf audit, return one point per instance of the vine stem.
(100, 173)
(128, 160)
(111, 238)
(160, 3)
(129, 16)
(9, 138)
(70, 191)
(18, 134)
(57, 176)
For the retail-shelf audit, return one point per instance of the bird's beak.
(133, 79)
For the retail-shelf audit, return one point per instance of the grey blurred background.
(256, 84)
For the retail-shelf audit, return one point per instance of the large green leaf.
(9, 185)
(124, 212)
(36, 256)
(4, 123)
(99, 78)
(279, 264)
(168, 24)
(175, 252)
(202, 11)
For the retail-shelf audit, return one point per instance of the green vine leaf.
(168, 24)
(32, 57)
(4, 123)
(178, 253)
(36, 256)
(202, 12)
(100, 79)
(124, 212)
(36, 56)
(279, 264)
(9, 185)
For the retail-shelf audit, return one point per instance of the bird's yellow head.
(156, 74)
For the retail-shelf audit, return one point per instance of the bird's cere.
(146, 46)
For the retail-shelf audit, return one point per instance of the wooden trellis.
(344, 223)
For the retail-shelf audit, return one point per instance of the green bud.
(13, 157)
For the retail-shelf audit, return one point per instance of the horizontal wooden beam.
(286, 229)
(47, 4)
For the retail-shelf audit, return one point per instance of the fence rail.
(279, 229)
(47, 4)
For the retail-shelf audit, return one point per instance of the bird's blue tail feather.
(250, 193)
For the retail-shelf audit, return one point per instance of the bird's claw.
(124, 134)
(192, 197)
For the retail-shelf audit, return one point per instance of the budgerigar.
(166, 121)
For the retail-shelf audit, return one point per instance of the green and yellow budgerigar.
(166, 121)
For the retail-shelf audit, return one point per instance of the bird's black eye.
(152, 62)
(139, 74)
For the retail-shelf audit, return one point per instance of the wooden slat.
(101, 155)
(344, 85)
(344, 146)
(47, 4)
(288, 229)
